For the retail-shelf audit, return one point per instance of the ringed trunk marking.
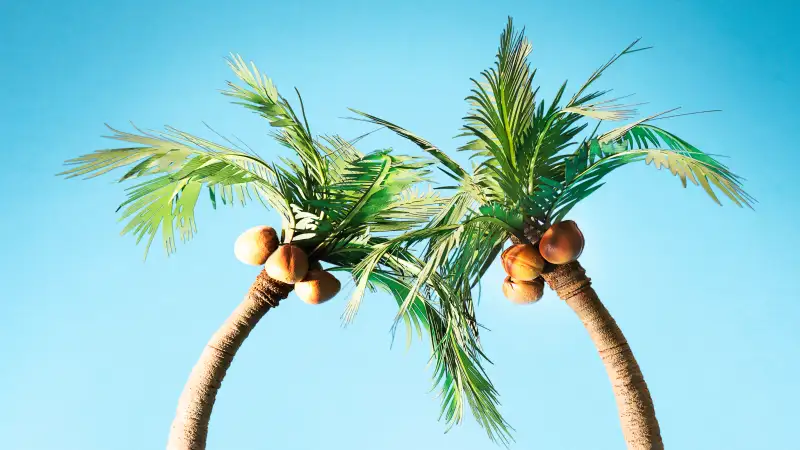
(190, 426)
(634, 404)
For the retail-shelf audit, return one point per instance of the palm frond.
(375, 193)
(481, 185)
(458, 370)
(177, 166)
(605, 110)
(463, 381)
(585, 169)
(504, 105)
(260, 95)
(451, 168)
(458, 373)
(579, 98)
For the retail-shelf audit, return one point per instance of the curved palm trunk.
(190, 426)
(636, 411)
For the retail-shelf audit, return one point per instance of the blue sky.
(97, 344)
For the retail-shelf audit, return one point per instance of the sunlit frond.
(585, 169)
(176, 166)
(261, 96)
(504, 105)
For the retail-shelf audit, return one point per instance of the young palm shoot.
(336, 205)
(533, 163)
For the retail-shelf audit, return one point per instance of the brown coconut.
(523, 292)
(288, 264)
(317, 287)
(562, 243)
(254, 246)
(522, 262)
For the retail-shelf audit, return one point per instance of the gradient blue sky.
(97, 344)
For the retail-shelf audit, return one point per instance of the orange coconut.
(562, 243)
(288, 264)
(317, 287)
(254, 246)
(522, 262)
(523, 292)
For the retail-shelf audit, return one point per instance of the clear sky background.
(96, 344)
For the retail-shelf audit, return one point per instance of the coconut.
(254, 246)
(288, 264)
(523, 292)
(317, 287)
(562, 243)
(522, 262)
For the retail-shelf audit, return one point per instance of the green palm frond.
(176, 166)
(454, 260)
(463, 381)
(375, 193)
(451, 168)
(605, 110)
(458, 258)
(480, 185)
(261, 96)
(504, 105)
(587, 167)
(339, 153)
(458, 371)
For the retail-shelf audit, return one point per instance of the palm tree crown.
(336, 203)
(529, 167)
(532, 162)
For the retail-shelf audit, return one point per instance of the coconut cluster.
(562, 243)
(286, 263)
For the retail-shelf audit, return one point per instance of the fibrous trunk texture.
(190, 427)
(636, 411)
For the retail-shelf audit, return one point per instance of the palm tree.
(533, 163)
(335, 203)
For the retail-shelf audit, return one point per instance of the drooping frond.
(177, 166)
(462, 380)
(586, 168)
(458, 371)
(455, 258)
